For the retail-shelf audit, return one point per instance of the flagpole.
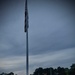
(26, 30)
(27, 54)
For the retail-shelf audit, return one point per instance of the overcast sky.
(51, 34)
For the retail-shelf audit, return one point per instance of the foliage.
(58, 71)
(51, 71)
(11, 73)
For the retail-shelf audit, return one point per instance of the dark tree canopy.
(57, 71)
(50, 71)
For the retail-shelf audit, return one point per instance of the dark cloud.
(51, 29)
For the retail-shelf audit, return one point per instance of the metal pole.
(27, 54)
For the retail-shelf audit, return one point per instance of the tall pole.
(26, 30)
(27, 54)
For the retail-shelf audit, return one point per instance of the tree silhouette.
(51, 71)
(38, 71)
(72, 70)
(57, 71)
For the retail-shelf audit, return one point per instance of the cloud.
(54, 56)
(12, 63)
(54, 59)
(51, 35)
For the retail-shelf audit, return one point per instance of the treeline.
(51, 71)
(11, 73)
(56, 71)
